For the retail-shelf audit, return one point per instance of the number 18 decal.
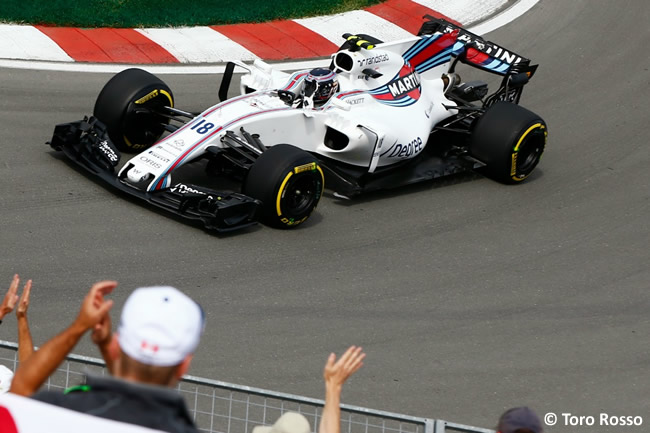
(202, 129)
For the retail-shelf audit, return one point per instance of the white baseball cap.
(290, 422)
(6, 375)
(160, 326)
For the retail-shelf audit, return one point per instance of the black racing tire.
(288, 181)
(510, 140)
(123, 105)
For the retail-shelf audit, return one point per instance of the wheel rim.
(529, 151)
(299, 196)
(142, 127)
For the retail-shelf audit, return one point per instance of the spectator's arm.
(335, 375)
(25, 343)
(10, 299)
(38, 367)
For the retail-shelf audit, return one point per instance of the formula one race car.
(379, 115)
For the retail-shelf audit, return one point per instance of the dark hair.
(519, 420)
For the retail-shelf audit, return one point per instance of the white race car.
(375, 116)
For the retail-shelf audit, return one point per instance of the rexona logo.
(181, 188)
(403, 85)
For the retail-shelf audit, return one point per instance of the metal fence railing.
(220, 407)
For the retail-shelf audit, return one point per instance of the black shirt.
(149, 406)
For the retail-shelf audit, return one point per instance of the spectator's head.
(5, 379)
(289, 422)
(159, 330)
(519, 420)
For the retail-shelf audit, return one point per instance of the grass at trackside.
(165, 13)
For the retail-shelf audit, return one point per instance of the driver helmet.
(321, 83)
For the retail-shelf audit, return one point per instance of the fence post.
(429, 426)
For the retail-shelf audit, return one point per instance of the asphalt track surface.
(468, 296)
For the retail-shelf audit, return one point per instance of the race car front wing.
(86, 142)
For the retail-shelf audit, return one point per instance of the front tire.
(289, 183)
(127, 106)
(510, 140)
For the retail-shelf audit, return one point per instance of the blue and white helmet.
(320, 85)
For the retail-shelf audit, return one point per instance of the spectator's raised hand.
(102, 331)
(10, 299)
(34, 371)
(337, 372)
(94, 306)
(102, 336)
(335, 375)
(23, 303)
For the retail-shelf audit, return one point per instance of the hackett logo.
(403, 85)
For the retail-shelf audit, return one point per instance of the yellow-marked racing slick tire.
(127, 106)
(289, 183)
(510, 140)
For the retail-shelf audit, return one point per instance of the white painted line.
(466, 12)
(332, 27)
(26, 42)
(197, 44)
(500, 20)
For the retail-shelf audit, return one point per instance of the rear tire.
(289, 183)
(510, 140)
(130, 90)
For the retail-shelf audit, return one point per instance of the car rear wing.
(473, 50)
